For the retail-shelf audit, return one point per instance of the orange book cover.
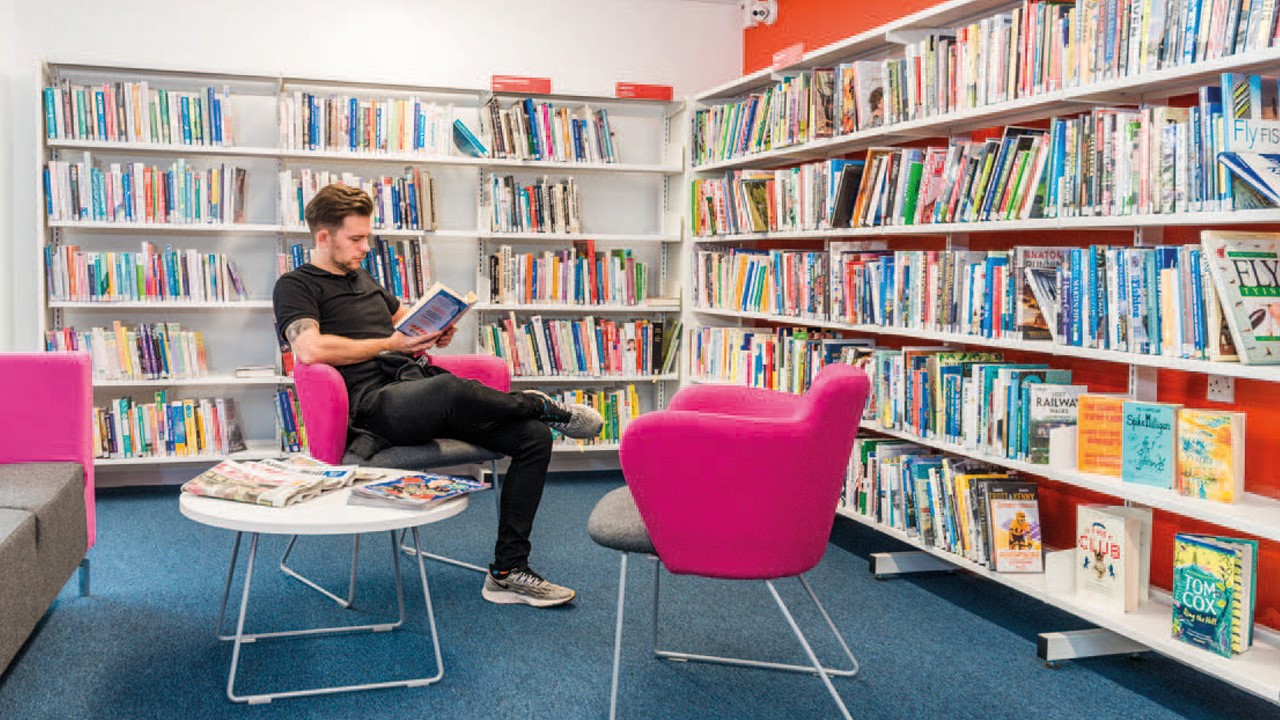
(1099, 430)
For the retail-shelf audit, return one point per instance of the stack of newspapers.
(413, 491)
(275, 483)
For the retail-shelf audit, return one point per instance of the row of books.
(290, 430)
(138, 113)
(585, 347)
(1036, 48)
(580, 276)
(782, 358)
(149, 351)
(406, 202)
(136, 192)
(125, 428)
(1032, 413)
(400, 265)
(530, 130)
(618, 406)
(1212, 301)
(161, 274)
(992, 519)
(539, 207)
(779, 282)
(810, 196)
(363, 124)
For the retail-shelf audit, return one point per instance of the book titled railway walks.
(1245, 267)
(439, 309)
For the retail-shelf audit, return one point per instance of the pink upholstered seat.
(736, 483)
(48, 414)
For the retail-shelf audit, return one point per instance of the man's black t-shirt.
(352, 306)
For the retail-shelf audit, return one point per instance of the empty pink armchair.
(736, 483)
(46, 486)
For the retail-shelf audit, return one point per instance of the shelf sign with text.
(789, 55)
(520, 84)
(642, 91)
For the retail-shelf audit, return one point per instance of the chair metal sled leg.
(717, 659)
(497, 490)
(804, 643)
(617, 639)
(351, 583)
(84, 577)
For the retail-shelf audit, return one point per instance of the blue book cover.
(353, 126)
(1149, 443)
(1205, 579)
(466, 142)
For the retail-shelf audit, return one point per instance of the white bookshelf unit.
(627, 204)
(1257, 670)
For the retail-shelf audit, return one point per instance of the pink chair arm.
(720, 473)
(488, 369)
(736, 400)
(323, 397)
(48, 414)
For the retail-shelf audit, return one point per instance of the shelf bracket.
(885, 564)
(1053, 647)
(1142, 382)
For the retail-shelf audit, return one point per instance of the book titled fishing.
(1245, 267)
(1149, 443)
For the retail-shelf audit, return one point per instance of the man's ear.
(323, 236)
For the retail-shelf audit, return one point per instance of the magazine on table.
(414, 491)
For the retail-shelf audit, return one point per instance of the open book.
(439, 308)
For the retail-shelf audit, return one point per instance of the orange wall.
(816, 23)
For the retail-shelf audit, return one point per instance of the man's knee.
(533, 439)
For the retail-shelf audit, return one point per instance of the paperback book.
(439, 309)
(1100, 430)
(1052, 406)
(1013, 514)
(1211, 454)
(1112, 556)
(1149, 443)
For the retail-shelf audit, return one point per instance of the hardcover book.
(1245, 267)
(440, 308)
(1052, 406)
(1213, 592)
(1211, 454)
(1149, 443)
(1100, 420)
(1013, 513)
(1108, 557)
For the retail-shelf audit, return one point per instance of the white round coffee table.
(328, 514)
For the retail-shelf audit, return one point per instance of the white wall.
(583, 45)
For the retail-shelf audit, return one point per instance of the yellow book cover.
(1099, 430)
(1211, 454)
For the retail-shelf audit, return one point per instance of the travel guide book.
(438, 309)
(414, 491)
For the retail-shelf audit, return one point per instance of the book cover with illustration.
(1245, 267)
(1149, 444)
(1213, 592)
(1052, 406)
(1036, 269)
(1211, 454)
(1013, 513)
(1107, 558)
(439, 309)
(1099, 434)
(416, 490)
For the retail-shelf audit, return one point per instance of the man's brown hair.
(331, 206)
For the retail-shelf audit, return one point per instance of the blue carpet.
(950, 646)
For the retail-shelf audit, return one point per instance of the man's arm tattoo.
(297, 327)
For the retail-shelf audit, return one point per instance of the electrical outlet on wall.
(1221, 389)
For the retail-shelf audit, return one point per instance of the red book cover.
(642, 91)
(520, 84)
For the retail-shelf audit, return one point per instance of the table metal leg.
(226, 589)
(240, 637)
(351, 583)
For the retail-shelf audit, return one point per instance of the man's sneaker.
(575, 421)
(524, 586)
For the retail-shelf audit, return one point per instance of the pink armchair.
(46, 486)
(322, 396)
(736, 483)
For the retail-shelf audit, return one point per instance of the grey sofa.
(46, 486)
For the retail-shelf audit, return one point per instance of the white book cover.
(1107, 558)
(1245, 267)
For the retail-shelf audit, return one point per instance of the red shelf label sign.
(520, 84)
(642, 91)
(789, 55)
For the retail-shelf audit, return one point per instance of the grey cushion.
(615, 523)
(437, 453)
(21, 601)
(54, 493)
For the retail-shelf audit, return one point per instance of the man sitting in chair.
(332, 311)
